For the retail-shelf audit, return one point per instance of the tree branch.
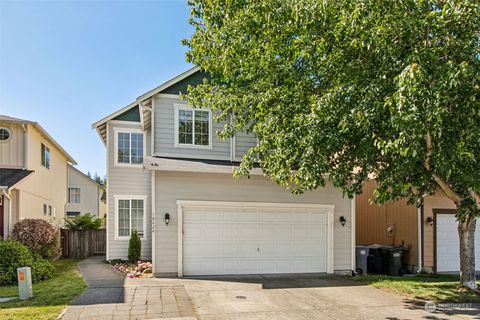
(441, 183)
(475, 197)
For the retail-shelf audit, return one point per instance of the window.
(49, 210)
(73, 213)
(130, 213)
(45, 209)
(129, 148)
(4, 134)
(45, 156)
(74, 195)
(192, 127)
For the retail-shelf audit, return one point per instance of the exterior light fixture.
(429, 221)
(167, 218)
(343, 221)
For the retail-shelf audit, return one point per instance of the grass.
(438, 288)
(49, 296)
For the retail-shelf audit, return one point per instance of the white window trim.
(177, 108)
(70, 195)
(130, 197)
(9, 134)
(116, 131)
(44, 158)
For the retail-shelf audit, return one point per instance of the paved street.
(302, 297)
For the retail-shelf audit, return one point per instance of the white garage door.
(448, 244)
(240, 238)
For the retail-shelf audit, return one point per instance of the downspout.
(8, 195)
(25, 147)
(419, 230)
(152, 186)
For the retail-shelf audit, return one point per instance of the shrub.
(84, 222)
(40, 236)
(134, 247)
(15, 255)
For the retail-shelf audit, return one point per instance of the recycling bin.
(362, 253)
(393, 257)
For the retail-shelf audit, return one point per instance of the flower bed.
(141, 269)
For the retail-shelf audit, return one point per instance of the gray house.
(170, 178)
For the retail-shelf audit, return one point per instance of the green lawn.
(442, 288)
(49, 296)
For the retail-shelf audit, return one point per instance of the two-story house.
(33, 174)
(170, 178)
(85, 195)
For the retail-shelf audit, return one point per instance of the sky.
(67, 64)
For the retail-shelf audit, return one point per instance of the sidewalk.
(108, 296)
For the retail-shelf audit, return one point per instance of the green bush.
(134, 247)
(84, 222)
(40, 236)
(15, 255)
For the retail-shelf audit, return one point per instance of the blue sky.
(69, 64)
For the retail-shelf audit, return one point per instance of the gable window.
(4, 134)
(130, 215)
(74, 195)
(45, 156)
(129, 147)
(192, 127)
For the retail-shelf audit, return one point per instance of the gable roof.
(86, 176)
(5, 118)
(10, 177)
(139, 102)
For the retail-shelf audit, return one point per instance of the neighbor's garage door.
(448, 244)
(242, 239)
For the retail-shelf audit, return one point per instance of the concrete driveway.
(294, 297)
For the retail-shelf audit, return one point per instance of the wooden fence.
(83, 243)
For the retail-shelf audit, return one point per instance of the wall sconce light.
(429, 221)
(343, 221)
(167, 218)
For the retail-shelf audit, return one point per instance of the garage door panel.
(448, 256)
(254, 240)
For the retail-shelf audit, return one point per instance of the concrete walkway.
(110, 296)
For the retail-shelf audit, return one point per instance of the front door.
(1, 218)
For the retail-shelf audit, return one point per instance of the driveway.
(111, 296)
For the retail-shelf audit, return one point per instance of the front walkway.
(110, 296)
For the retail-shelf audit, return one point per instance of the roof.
(4, 118)
(100, 125)
(86, 176)
(10, 177)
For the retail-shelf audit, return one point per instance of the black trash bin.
(393, 257)
(376, 259)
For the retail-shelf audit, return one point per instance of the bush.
(134, 247)
(15, 255)
(84, 222)
(40, 236)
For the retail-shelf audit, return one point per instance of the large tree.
(386, 89)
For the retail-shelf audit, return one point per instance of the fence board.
(82, 243)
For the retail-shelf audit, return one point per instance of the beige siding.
(165, 134)
(436, 201)
(12, 151)
(43, 186)
(373, 220)
(123, 180)
(173, 186)
(90, 193)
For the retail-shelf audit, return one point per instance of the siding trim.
(107, 143)
(352, 218)
(330, 223)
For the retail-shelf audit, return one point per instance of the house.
(85, 195)
(170, 178)
(33, 174)
(430, 232)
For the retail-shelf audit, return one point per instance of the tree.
(84, 222)
(356, 89)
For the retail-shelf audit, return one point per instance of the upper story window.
(129, 147)
(45, 156)
(192, 127)
(4, 134)
(74, 195)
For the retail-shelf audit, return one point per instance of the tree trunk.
(466, 234)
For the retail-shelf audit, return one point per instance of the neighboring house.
(170, 178)
(85, 195)
(33, 174)
(430, 232)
